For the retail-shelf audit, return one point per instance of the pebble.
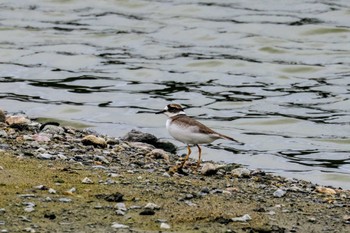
(241, 172)
(279, 193)
(52, 129)
(2, 210)
(209, 169)
(65, 200)
(244, 218)
(27, 195)
(41, 137)
(3, 134)
(152, 206)
(120, 206)
(87, 180)
(119, 226)
(324, 190)
(101, 159)
(45, 156)
(29, 229)
(148, 212)
(41, 187)
(17, 120)
(138, 136)
(94, 141)
(159, 154)
(311, 219)
(29, 206)
(52, 191)
(164, 225)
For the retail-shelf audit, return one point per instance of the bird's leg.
(199, 155)
(187, 156)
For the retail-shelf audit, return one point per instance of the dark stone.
(50, 216)
(147, 212)
(167, 146)
(48, 123)
(114, 197)
(223, 220)
(138, 136)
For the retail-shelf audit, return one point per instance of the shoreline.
(56, 178)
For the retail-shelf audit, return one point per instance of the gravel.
(56, 178)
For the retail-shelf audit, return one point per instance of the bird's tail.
(229, 138)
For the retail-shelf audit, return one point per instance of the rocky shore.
(55, 178)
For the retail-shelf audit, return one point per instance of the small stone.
(120, 212)
(311, 219)
(152, 206)
(52, 191)
(17, 120)
(114, 197)
(346, 218)
(65, 200)
(2, 211)
(190, 203)
(29, 229)
(279, 193)
(3, 134)
(147, 212)
(119, 226)
(50, 216)
(209, 169)
(52, 129)
(244, 218)
(158, 154)
(241, 172)
(120, 206)
(324, 190)
(138, 136)
(87, 180)
(101, 159)
(164, 225)
(27, 195)
(41, 187)
(41, 137)
(94, 141)
(45, 156)
(29, 209)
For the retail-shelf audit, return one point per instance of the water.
(272, 74)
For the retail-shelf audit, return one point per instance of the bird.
(189, 131)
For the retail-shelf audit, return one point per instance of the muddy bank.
(56, 178)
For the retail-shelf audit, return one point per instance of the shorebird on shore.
(189, 131)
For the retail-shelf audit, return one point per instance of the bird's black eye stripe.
(173, 109)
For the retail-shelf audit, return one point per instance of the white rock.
(152, 206)
(244, 218)
(29, 209)
(279, 193)
(121, 206)
(164, 225)
(209, 169)
(45, 156)
(87, 180)
(52, 191)
(63, 199)
(119, 226)
(241, 172)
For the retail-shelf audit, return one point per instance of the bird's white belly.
(187, 136)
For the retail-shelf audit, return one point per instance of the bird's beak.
(163, 111)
